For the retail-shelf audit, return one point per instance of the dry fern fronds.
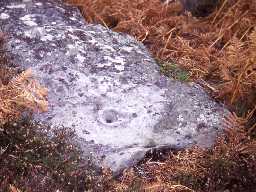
(14, 189)
(21, 94)
(239, 68)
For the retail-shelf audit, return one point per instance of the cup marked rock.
(105, 85)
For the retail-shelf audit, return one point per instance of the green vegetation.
(173, 70)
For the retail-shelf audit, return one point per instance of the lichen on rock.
(105, 85)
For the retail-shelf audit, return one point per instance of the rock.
(200, 8)
(105, 85)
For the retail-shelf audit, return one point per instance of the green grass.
(172, 70)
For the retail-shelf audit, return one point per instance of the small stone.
(200, 8)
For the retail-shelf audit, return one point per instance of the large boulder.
(105, 85)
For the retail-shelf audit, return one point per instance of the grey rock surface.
(105, 85)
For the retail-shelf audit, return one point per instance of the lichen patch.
(28, 20)
(18, 6)
(4, 16)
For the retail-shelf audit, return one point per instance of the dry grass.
(219, 52)
(22, 93)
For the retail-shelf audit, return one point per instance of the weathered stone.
(105, 85)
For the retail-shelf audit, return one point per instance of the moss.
(172, 70)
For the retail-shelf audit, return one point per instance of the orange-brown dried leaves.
(23, 93)
(239, 68)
